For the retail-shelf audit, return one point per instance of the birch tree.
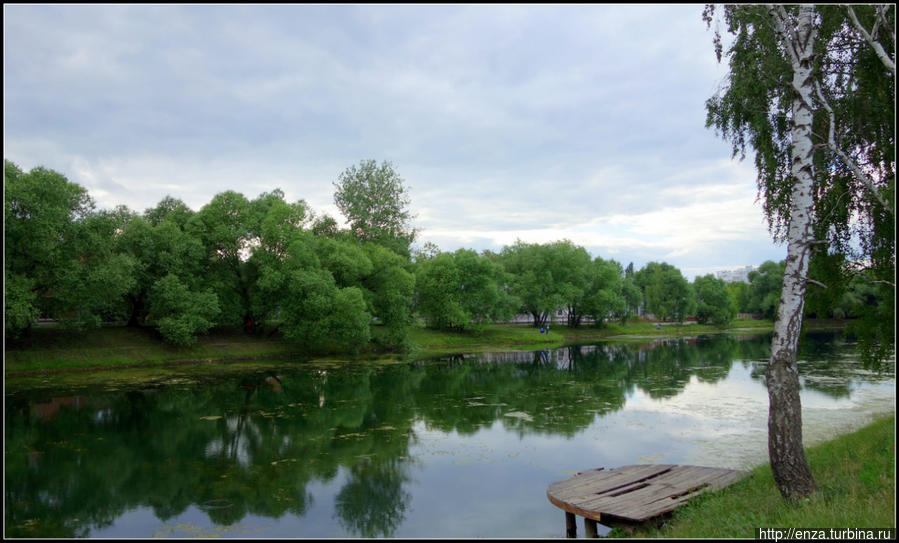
(802, 83)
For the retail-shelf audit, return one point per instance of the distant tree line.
(275, 267)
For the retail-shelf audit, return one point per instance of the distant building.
(732, 276)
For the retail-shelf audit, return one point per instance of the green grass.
(59, 349)
(53, 349)
(487, 336)
(644, 329)
(856, 479)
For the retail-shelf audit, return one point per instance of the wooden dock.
(633, 493)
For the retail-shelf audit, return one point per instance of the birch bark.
(788, 463)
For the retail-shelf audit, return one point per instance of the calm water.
(455, 447)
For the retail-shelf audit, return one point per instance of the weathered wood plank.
(595, 481)
(636, 492)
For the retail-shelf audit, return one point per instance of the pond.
(461, 446)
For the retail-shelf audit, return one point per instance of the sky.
(506, 122)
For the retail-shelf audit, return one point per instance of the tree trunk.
(788, 463)
(137, 307)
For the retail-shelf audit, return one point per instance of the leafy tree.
(605, 294)
(91, 288)
(169, 208)
(438, 297)
(274, 226)
(59, 258)
(240, 237)
(325, 226)
(40, 212)
(389, 291)
(576, 279)
(306, 300)
(180, 313)
(812, 90)
(546, 277)
(713, 301)
(629, 270)
(381, 275)
(224, 227)
(426, 251)
(374, 199)
(347, 261)
(275, 222)
(160, 246)
(666, 292)
(460, 290)
(764, 288)
(20, 308)
(632, 296)
(739, 293)
(316, 312)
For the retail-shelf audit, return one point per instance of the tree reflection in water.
(253, 445)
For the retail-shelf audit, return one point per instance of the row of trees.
(261, 263)
(274, 266)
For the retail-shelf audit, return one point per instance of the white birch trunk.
(787, 456)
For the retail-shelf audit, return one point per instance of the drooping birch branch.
(860, 272)
(864, 178)
(881, 53)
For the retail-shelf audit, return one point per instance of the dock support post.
(570, 525)
(590, 528)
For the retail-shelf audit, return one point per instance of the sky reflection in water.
(455, 447)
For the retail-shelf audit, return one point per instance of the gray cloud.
(502, 118)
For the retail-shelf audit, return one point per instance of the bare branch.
(812, 281)
(884, 57)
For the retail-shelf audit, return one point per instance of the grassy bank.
(49, 349)
(856, 478)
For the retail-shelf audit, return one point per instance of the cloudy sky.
(531, 122)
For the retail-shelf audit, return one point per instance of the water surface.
(461, 446)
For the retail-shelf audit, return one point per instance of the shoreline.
(120, 348)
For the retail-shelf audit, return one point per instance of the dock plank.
(636, 493)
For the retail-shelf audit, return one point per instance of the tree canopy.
(713, 301)
(666, 292)
(852, 102)
(375, 201)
